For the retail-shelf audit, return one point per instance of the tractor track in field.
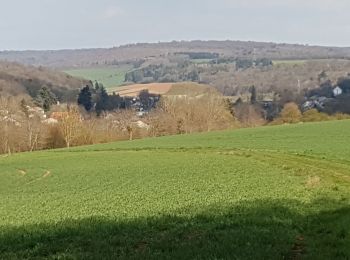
(300, 163)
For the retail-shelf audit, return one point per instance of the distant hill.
(133, 52)
(17, 79)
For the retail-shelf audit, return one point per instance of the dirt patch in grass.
(313, 182)
(47, 174)
(22, 172)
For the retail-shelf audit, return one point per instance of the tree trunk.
(130, 135)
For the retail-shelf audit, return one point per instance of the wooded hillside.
(132, 52)
(16, 79)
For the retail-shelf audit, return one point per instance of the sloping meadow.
(270, 192)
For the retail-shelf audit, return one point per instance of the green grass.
(109, 76)
(265, 193)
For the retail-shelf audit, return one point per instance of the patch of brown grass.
(313, 181)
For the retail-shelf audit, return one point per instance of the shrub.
(290, 114)
(314, 116)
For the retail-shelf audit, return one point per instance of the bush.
(314, 116)
(290, 114)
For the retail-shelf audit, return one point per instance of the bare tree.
(70, 124)
(10, 125)
(185, 114)
(249, 115)
(125, 120)
(33, 128)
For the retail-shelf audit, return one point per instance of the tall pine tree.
(85, 98)
(102, 101)
(253, 97)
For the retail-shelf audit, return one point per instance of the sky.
(72, 24)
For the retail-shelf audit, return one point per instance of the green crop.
(109, 76)
(265, 193)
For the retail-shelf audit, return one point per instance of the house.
(267, 99)
(308, 105)
(316, 102)
(337, 91)
(36, 112)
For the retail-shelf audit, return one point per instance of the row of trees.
(186, 115)
(97, 99)
(322, 99)
(21, 129)
(246, 63)
(24, 129)
(180, 70)
(174, 72)
(291, 114)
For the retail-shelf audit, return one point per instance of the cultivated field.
(109, 76)
(267, 193)
(169, 89)
(301, 62)
(135, 89)
(289, 62)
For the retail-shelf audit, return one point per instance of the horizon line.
(167, 42)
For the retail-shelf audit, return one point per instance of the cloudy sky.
(61, 24)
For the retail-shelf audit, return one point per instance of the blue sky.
(62, 24)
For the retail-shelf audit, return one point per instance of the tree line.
(23, 129)
(98, 117)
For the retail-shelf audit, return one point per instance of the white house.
(337, 91)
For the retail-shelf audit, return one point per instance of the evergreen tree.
(344, 84)
(114, 101)
(102, 100)
(45, 98)
(85, 98)
(253, 95)
(98, 86)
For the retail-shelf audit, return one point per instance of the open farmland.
(289, 62)
(109, 76)
(168, 89)
(301, 62)
(279, 192)
(135, 89)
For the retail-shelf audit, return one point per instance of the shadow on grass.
(255, 230)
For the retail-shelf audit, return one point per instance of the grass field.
(109, 76)
(279, 192)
